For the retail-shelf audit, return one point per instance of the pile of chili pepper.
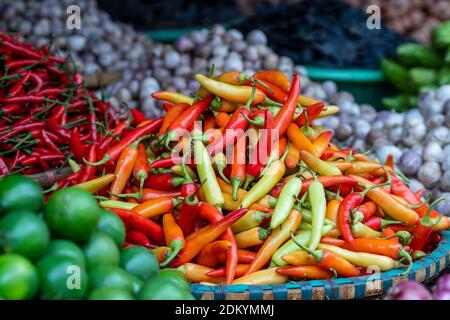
(47, 116)
(212, 205)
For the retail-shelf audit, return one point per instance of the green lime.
(110, 294)
(112, 225)
(72, 214)
(112, 277)
(139, 262)
(100, 249)
(66, 248)
(25, 233)
(160, 289)
(20, 192)
(62, 278)
(175, 276)
(18, 277)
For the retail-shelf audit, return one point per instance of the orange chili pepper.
(275, 77)
(124, 169)
(209, 124)
(328, 260)
(332, 209)
(293, 156)
(332, 241)
(298, 138)
(141, 167)
(197, 273)
(359, 167)
(222, 119)
(173, 236)
(171, 115)
(224, 106)
(321, 143)
(275, 240)
(305, 272)
(209, 256)
(251, 238)
(213, 215)
(389, 205)
(209, 234)
(155, 207)
(299, 258)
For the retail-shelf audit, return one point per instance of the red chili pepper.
(138, 117)
(256, 163)
(76, 145)
(3, 167)
(186, 119)
(114, 152)
(284, 117)
(332, 241)
(166, 181)
(209, 234)
(10, 109)
(398, 188)
(165, 162)
(92, 117)
(116, 132)
(377, 223)
(18, 128)
(189, 207)
(21, 50)
(310, 114)
(18, 86)
(365, 211)
(27, 161)
(150, 228)
(88, 171)
(423, 229)
(54, 124)
(49, 143)
(349, 203)
(139, 238)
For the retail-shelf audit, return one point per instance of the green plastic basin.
(367, 86)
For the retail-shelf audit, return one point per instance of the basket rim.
(387, 278)
(345, 74)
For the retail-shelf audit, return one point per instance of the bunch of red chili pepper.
(308, 210)
(47, 116)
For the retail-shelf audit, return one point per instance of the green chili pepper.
(270, 178)
(220, 161)
(285, 202)
(316, 195)
(302, 237)
(211, 188)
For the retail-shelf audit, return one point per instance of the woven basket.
(337, 289)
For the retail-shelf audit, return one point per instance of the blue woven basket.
(336, 289)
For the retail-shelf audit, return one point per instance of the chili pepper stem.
(403, 254)
(176, 246)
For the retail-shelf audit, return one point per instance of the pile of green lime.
(418, 67)
(70, 248)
